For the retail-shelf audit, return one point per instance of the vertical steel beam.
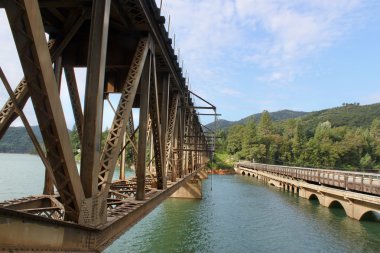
(132, 138)
(156, 128)
(93, 107)
(175, 143)
(28, 32)
(122, 159)
(58, 71)
(164, 115)
(143, 125)
(180, 143)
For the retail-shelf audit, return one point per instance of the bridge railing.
(349, 180)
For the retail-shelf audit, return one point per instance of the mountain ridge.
(349, 114)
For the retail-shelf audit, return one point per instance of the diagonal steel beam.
(28, 32)
(123, 112)
(7, 113)
(170, 133)
(75, 99)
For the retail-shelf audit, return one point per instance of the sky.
(246, 56)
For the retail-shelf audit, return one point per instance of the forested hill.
(276, 116)
(346, 137)
(16, 140)
(350, 115)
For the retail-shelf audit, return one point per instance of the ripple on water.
(244, 215)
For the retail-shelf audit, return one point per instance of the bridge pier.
(192, 189)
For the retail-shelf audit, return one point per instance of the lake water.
(240, 214)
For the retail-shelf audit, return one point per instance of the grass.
(222, 161)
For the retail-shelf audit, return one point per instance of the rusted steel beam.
(132, 138)
(161, 41)
(176, 168)
(7, 114)
(122, 158)
(170, 134)
(123, 112)
(93, 104)
(165, 88)
(143, 124)
(40, 233)
(29, 35)
(75, 99)
(156, 128)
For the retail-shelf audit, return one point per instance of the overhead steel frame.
(148, 77)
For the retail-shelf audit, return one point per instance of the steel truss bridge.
(126, 49)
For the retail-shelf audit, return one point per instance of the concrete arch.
(337, 203)
(249, 174)
(363, 213)
(311, 196)
(243, 173)
(371, 215)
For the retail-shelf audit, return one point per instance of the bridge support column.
(192, 189)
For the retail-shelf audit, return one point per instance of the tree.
(366, 162)
(234, 139)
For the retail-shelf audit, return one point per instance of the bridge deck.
(349, 180)
(38, 215)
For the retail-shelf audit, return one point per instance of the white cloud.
(294, 30)
(274, 36)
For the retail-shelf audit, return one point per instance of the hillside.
(16, 140)
(276, 116)
(351, 115)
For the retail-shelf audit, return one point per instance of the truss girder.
(29, 35)
(123, 112)
(156, 128)
(7, 113)
(170, 133)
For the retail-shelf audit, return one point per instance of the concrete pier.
(192, 189)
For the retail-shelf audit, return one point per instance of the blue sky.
(246, 56)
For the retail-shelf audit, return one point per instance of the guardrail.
(354, 181)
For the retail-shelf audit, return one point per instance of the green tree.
(366, 162)
(234, 139)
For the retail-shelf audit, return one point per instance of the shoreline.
(221, 172)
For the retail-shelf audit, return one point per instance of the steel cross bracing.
(170, 132)
(125, 48)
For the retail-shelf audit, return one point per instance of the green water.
(240, 214)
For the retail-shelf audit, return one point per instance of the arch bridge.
(126, 49)
(358, 193)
